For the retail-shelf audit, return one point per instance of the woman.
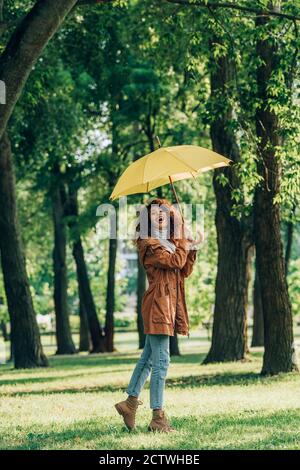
(167, 262)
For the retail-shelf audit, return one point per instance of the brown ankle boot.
(127, 409)
(159, 422)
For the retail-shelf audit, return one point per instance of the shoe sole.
(120, 411)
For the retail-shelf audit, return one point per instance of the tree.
(64, 340)
(26, 343)
(271, 109)
(57, 120)
(278, 325)
(19, 56)
(258, 315)
(84, 333)
(229, 339)
(87, 304)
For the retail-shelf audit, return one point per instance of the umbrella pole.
(172, 185)
(176, 197)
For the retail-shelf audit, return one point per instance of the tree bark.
(84, 334)
(229, 335)
(27, 347)
(84, 288)
(289, 241)
(231, 6)
(86, 298)
(64, 340)
(258, 317)
(278, 331)
(3, 330)
(113, 241)
(110, 295)
(141, 287)
(174, 346)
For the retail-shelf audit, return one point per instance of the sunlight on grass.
(220, 406)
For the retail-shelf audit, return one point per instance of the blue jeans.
(155, 357)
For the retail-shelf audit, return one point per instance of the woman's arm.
(159, 257)
(188, 267)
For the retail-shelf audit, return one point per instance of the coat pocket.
(161, 310)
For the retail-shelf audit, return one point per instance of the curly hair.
(146, 213)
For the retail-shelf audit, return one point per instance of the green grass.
(221, 406)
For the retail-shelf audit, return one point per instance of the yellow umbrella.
(166, 165)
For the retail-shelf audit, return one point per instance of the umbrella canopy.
(165, 165)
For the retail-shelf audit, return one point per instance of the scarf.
(162, 237)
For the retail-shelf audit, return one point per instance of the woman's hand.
(187, 232)
(195, 243)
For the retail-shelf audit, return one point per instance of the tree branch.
(26, 44)
(234, 6)
(4, 26)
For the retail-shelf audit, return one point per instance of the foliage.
(112, 79)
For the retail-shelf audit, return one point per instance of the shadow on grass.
(61, 362)
(93, 360)
(106, 364)
(247, 430)
(216, 379)
(104, 361)
(112, 359)
(66, 390)
(48, 378)
(227, 379)
(182, 382)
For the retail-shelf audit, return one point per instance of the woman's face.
(160, 216)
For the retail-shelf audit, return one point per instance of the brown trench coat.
(164, 308)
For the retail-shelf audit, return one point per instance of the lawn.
(70, 404)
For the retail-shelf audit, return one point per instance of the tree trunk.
(3, 329)
(84, 334)
(64, 340)
(174, 346)
(249, 269)
(278, 325)
(258, 318)
(289, 240)
(113, 241)
(141, 287)
(86, 298)
(25, 335)
(84, 288)
(229, 336)
(110, 295)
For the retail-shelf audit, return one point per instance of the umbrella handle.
(176, 197)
